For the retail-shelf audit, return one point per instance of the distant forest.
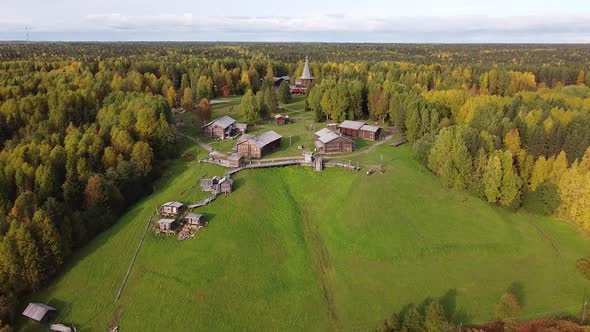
(86, 127)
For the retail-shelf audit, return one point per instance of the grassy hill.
(292, 249)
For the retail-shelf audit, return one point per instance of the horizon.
(373, 21)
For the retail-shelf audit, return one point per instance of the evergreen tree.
(284, 93)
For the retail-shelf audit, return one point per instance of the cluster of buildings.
(338, 138)
(175, 218)
(302, 84)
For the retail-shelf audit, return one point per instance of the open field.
(292, 249)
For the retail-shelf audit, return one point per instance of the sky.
(408, 21)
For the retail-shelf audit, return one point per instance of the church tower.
(306, 78)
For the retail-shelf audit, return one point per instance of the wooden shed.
(220, 128)
(210, 185)
(226, 185)
(258, 146)
(172, 209)
(281, 119)
(195, 220)
(369, 132)
(166, 225)
(319, 164)
(39, 312)
(331, 142)
(236, 160)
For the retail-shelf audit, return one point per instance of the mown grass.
(292, 249)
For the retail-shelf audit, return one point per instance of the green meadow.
(292, 249)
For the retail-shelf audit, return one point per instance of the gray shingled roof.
(242, 126)
(281, 116)
(223, 122)
(370, 128)
(36, 311)
(174, 204)
(235, 156)
(306, 74)
(194, 216)
(322, 132)
(352, 124)
(165, 221)
(263, 139)
(226, 179)
(328, 137)
(286, 78)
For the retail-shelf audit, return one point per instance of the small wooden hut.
(236, 160)
(172, 209)
(225, 185)
(281, 119)
(166, 226)
(195, 220)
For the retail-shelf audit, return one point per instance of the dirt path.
(205, 146)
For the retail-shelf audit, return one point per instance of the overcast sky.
(534, 21)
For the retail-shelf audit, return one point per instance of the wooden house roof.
(165, 221)
(173, 204)
(226, 179)
(323, 131)
(261, 140)
(36, 311)
(223, 122)
(242, 126)
(370, 128)
(194, 216)
(235, 157)
(329, 137)
(278, 116)
(281, 78)
(348, 124)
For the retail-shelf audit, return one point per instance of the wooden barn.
(166, 226)
(220, 128)
(281, 119)
(195, 220)
(358, 129)
(258, 146)
(331, 142)
(236, 160)
(39, 313)
(217, 184)
(172, 209)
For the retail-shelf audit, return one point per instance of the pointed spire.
(306, 74)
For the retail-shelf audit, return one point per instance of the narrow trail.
(205, 146)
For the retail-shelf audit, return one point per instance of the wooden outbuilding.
(331, 142)
(172, 209)
(308, 157)
(281, 119)
(210, 185)
(220, 128)
(225, 185)
(258, 146)
(236, 160)
(195, 220)
(319, 164)
(39, 312)
(217, 184)
(358, 129)
(166, 226)
(241, 128)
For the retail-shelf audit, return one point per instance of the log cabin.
(281, 119)
(331, 142)
(171, 209)
(223, 127)
(166, 226)
(258, 146)
(236, 160)
(358, 129)
(195, 220)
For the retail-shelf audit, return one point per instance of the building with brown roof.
(358, 129)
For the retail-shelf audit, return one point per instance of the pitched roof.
(194, 216)
(352, 124)
(223, 122)
(263, 139)
(36, 311)
(174, 204)
(370, 128)
(281, 116)
(278, 78)
(329, 137)
(235, 156)
(226, 179)
(306, 74)
(323, 132)
(165, 221)
(60, 328)
(242, 126)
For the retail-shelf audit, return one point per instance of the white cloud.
(534, 28)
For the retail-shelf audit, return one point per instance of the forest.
(87, 127)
